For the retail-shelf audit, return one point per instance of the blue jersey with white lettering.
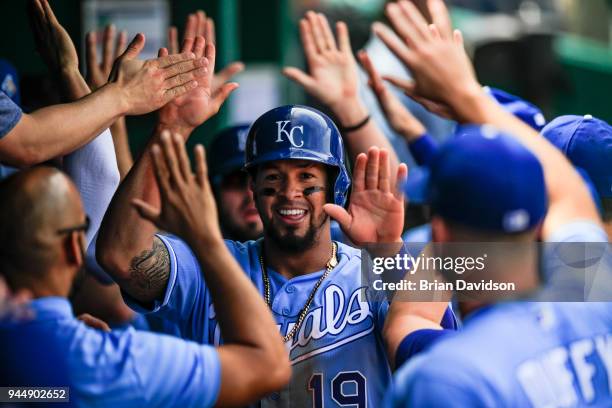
(516, 355)
(338, 356)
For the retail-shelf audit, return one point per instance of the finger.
(210, 31)
(406, 85)
(440, 17)
(299, 76)
(384, 172)
(201, 23)
(94, 322)
(402, 175)
(107, 47)
(121, 43)
(377, 83)
(160, 170)
(359, 172)
(228, 72)
(328, 36)
(171, 60)
(171, 159)
(173, 45)
(184, 78)
(458, 38)
(222, 94)
(198, 46)
(372, 168)
(49, 12)
(394, 43)
(177, 91)
(183, 160)
(191, 26)
(402, 25)
(163, 52)
(433, 30)
(344, 41)
(211, 53)
(200, 165)
(187, 45)
(36, 17)
(147, 211)
(415, 17)
(310, 49)
(340, 215)
(317, 34)
(91, 52)
(133, 49)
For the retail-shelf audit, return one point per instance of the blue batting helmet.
(226, 152)
(297, 132)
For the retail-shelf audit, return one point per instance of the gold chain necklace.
(331, 264)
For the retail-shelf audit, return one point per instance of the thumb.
(133, 49)
(298, 76)
(223, 93)
(147, 211)
(228, 72)
(339, 214)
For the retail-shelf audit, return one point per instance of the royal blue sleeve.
(416, 342)
(10, 114)
(424, 149)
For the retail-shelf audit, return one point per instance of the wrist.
(350, 112)
(120, 99)
(473, 105)
(213, 243)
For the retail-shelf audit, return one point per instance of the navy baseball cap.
(525, 111)
(587, 143)
(487, 180)
(9, 81)
(225, 154)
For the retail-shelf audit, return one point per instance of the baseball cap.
(525, 111)
(416, 185)
(225, 154)
(9, 81)
(487, 180)
(587, 143)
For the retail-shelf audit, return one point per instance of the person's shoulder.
(578, 231)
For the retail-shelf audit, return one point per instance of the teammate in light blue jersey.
(508, 186)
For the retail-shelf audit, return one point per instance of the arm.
(97, 76)
(136, 87)
(333, 79)
(125, 246)
(444, 75)
(253, 361)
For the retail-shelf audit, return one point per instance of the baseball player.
(561, 358)
(128, 368)
(238, 216)
(295, 158)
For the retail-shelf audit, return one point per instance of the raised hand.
(332, 74)
(376, 210)
(398, 116)
(52, 41)
(442, 71)
(188, 206)
(112, 47)
(191, 110)
(149, 85)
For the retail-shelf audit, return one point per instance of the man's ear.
(73, 247)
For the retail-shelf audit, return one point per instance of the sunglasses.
(81, 227)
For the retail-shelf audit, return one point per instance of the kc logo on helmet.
(281, 125)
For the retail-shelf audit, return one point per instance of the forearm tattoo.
(149, 273)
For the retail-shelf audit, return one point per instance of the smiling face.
(289, 195)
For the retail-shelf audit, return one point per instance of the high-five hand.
(376, 210)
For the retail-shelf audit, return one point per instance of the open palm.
(376, 210)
